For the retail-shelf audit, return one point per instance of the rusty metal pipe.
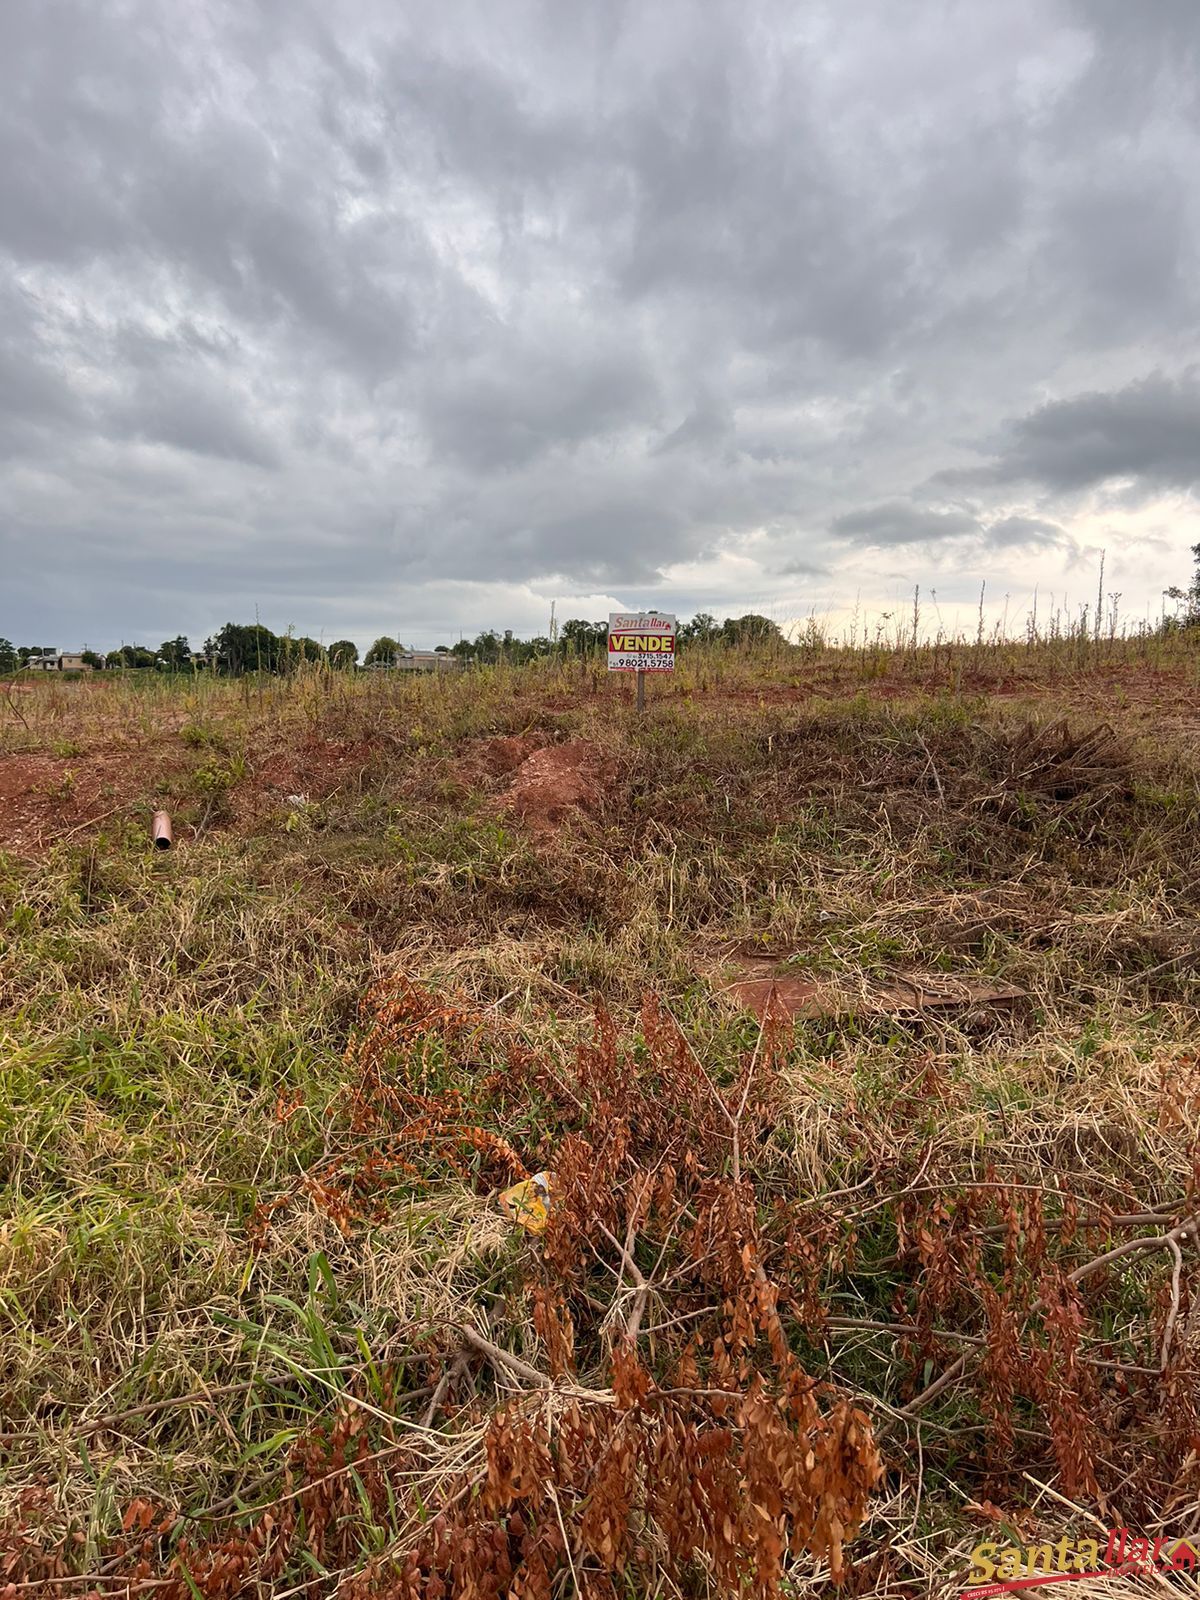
(161, 831)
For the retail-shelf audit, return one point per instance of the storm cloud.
(383, 317)
(1147, 433)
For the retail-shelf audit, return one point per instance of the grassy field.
(831, 1296)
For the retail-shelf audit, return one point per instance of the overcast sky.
(416, 317)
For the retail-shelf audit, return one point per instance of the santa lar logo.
(1003, 1568)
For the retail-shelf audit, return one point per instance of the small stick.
(89, 823)
(635, 1272)
(933, 769)
(1173, 1314)
(12, 705)
(502, 1358)
(1153, 1241)
(715, 1092)
(554, 1498)
(223, 1510)
(1063, 1501)
(737, 1121)
(955, 1370)
(1165, 966)
(443, 1383)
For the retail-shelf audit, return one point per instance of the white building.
(58, 661)
(418, 661)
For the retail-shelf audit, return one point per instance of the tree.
(90, 658)
(582, 638)
(9, 659)
(132, 655)
(486, 646)
(750, 629)
(383, 652)
(702, 627)
(175, 654)
(343, 653)
(294, 649)
(245, 647)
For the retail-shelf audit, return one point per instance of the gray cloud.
(707, 427)
(898, 523)
(1148, 431)
(193, 417)
(376, 306)
(1127, 245)
(1021, 532)
(488, 416)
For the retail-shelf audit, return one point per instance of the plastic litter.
(528, 1202)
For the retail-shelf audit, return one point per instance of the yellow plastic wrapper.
(528, 1203)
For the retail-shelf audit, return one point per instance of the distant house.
(420, 661)
(427, 661)
(58, 661)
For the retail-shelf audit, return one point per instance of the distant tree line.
(234, 650)
(239, 648)
(578, 637)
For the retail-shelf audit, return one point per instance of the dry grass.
(173, 1032)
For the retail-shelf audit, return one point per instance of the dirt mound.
(558, 780)
(504, 754)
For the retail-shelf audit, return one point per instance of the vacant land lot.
(849, 999)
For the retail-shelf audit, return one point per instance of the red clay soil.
(313, 770)
(500, 756)
(557, 781)
(44, 799)
(768, 991)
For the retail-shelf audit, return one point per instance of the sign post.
(641, 642)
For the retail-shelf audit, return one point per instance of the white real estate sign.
(641, 642)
